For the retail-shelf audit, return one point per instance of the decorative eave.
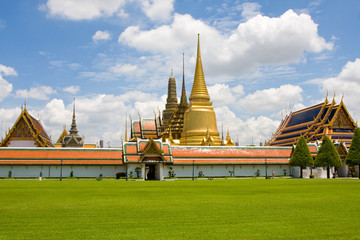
(40, 140)
(62, 135)
(152, 150)
(342, 106)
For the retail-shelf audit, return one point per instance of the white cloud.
(82, 9)
(61, 64)
(40, 93)
(272, 99)
(95, 115)
(8, 118)
(252, 130)
(249, 10)
(101, 36)
(72, 89)
(76, 10)
(5, 86)
(123, 69)
(158, 9)
(222, 94)
(260, 41)
(347, 83)
(7, 71)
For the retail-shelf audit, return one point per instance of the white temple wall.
(317, 172)
(22, 143)
(54, 171)
(223, 170)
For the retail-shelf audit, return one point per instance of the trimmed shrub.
(301, 156)
(327, 155)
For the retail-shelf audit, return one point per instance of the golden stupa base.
(200, 125)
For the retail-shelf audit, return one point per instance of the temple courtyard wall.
(110, 171)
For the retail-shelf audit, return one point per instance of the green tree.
(327, 156)
(301, 156)
(353, 157)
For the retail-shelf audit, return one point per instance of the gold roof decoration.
(62, 135)
(199, 91)
(228, 140)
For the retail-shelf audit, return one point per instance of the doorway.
(150, 172)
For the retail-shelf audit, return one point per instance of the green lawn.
(201, 209)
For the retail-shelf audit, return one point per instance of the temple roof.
(145, 128)
(57, 156)
(62, 135)
(230, 155)
(147, 150)
(73, 139)
(27, 127)
(313, 123)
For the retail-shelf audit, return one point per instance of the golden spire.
(199, 91)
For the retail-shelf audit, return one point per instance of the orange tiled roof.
(230, 155)
(55, 155)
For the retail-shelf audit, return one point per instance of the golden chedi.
(200, 126)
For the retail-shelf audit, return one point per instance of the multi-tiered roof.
(327, 118)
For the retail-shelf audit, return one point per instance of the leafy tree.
(327, 156)
(353, 157)
(301, 156)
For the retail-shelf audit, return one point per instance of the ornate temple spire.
(171, 101)
(199, 91)
(73, 129)
(183, 99)
(73, 139)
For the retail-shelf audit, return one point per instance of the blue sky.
(260, 59)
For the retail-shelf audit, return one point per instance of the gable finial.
(25, 104)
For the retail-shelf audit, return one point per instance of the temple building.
(73, 139)
(171, 101)
(174, 128)
(326, 118)
(26, 132)
(200, 126)
(183, 141)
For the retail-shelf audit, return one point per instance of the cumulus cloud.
(95, 115)
(251, 130)
(347, 83)
(82, 9)
(72, 89)
(272, 99)
(76, 10)
(8, 118)
(158, 9)
(259, 41)
(5, 86)
(40, 93)
(222, 94)
(101, 36)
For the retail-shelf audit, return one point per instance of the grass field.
(202, 209)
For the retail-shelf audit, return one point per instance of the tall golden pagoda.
(200, 126)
